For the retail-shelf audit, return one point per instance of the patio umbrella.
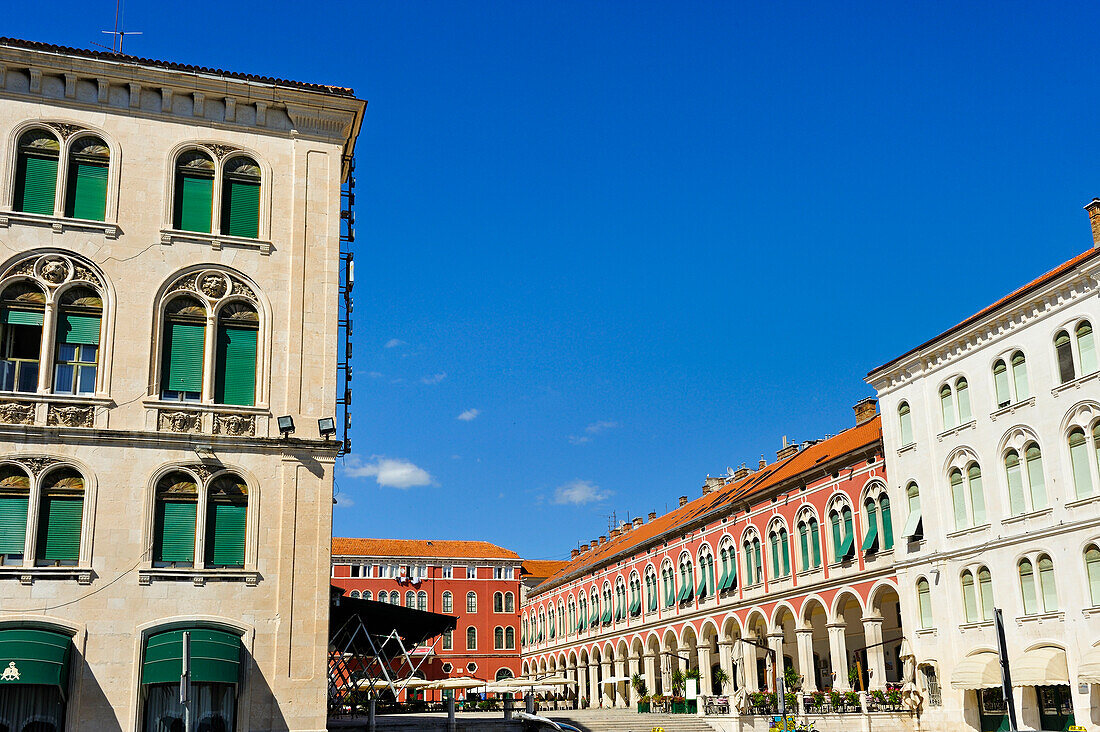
(461, 682)
(548, 681)
(616, 680)
(412, 683)
(375, 684)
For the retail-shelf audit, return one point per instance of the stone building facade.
(169, 275)
(991, 434)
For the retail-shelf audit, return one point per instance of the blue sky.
(606, 249)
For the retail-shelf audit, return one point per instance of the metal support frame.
(346, 305)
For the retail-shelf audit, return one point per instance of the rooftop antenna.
(118, 35)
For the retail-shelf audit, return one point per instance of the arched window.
(22, 306)
(383, 597)
(76, 355)
(1079, 461)
(422, 600)
(687, 580)
(1086, 347)
(509, 602)
(985, 593)
(970, 597)
(395, 598)
(840, 520)
(36, 173)
(60, 513)
(194, 192)
(924, 603)
(510, 639)
(1019, 376)
(471, 638)
(177, 498)
(977, 494)
(706, 586)
(354, 594)
(572, 616)
(947, 406)
(905, 424)
(1092, 571)
(870, 536)
(498, 602)
(1000, 383)
(1047, 586)
(1015, 478)
(226, 521)
(651, 590)
(367, 594)
(962, 394)
(969, 503)
(448, 602)
(471, 602)
(448, 640)
(670, 584)
(235, 359)
(780, 552)
(182, 349)
(914, 524)
(1027, 587)
(552, 625)
(1064, 352)
(241, 198)
(410, 599)
(498, 638)
(86, 189)
(887, 522)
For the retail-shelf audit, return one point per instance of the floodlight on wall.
(326, 426)
(286, 425)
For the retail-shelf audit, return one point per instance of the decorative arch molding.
(688, 636)
(873, 488)
(781, 608)
(874, 597)
(1082, 414)
(809, 602)
(959, 458)
(712, 627)
(805, 512)
(1015, 438)
(731, 626)
(836, 613)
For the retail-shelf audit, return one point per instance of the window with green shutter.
(235, 370)
(240, 214)
(86, 189)
(183, 349)
(174, 521)
(14, 502)
(226, 518)
(194, 192)
(36, 173)
(59, 519)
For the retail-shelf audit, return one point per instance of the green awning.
(702, 591)
(846, 546)
(595, 616)
(636, 606)
(215, 657)
(731, 580)
(723, 579)
(34, 656)
(606, 615)
(870, 541)
(911, 523)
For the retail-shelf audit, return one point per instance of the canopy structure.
(462, 682)
(980, 671)
(1044, 666)
(371, 649)
(1089, 670)
(616, 680)
(34, 656)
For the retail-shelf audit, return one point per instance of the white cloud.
(469, 415)
(579, 492)
(575, 440)
(388, 472)
(395, 342)
(597, 427)
(376, 374)
(434, 378)
(343, 500)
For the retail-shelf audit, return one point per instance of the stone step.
(625, 721)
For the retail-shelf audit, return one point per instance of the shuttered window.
(59, 529)
(1034, 459)
(175, 532)
(13, 524)
(887, 522)
(183, 356)
(1015, 483)
(924, 603)
(815, 542)
(236, 365)
(36, 183)
(80, 329)
(1065, 356)
(241, 208)
(1086, 345)
(23, 317)
(86, 197)
(225, 531)
(1079, 460)
(194, 201)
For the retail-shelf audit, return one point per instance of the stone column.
(607, 690)
(633, 666)
(666, 673)
(876, 656)
(748, 660)
(571, 673)
(593, 686)
(775, 642)
(805, 639)
(838, 656)
(725, 662)
(649, 660)
(704, 654)
(621, 698)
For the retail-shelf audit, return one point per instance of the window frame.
(217, 202)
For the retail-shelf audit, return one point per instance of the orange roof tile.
(725, 497)
(542, 567)
(1012, 296)
(445, 548)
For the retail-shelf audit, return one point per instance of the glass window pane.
(977, 495)
(962, 393)
(1036, 481)
(958, 500)
(985, 589)
(1086, 345)
(924, 603)
(1000, 382)
(1019, 376)
(86, 380)
(1027, 588)
(66, 352)
(1065, 356)
(1092, 568)
(63, 378)
(1079, 460)
(1046, 582)
(1015, 483)
(947, 407)
(970, 598)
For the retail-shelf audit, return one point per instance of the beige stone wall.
(126, 437)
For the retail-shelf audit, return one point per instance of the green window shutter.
(35, 184)
(887, 523)
(82, 329)
(804, 545)
(175, 532)
(775, 555)
(183, 349)
(912, 522)
(194, 202)
(846, 547)
(786, 549)
(924, 600)
(225, 534)
(731, 581)
(815, 542)
(87, 193)
(870, 539)
(23, 317)
(59, 528)
(235, 378)
(215, 657)
(241, 209)
(724, 578)
(13, 524)
(834, 521)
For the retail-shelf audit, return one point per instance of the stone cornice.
(1074, 285)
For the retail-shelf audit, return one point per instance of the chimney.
(683, 500)
(638, 522)
(652, 515)
(710, 484)
(583, 548)
(625, 526)
(614, 533)
(740, 472)
(866, 409)
(787, 451)
(603, 540)
(574, 554)
(1094, 218)
(763, 463)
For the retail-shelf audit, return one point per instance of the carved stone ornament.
(70, 416)
(222, 150)
(234, 425)
(202, 470)
(26, 267)
(173, 421)
(240, 288)
(38, 464)
(185, 283)
(213, 285)
(66, 131)
(17, 413)
(81, 272)
(54, 270)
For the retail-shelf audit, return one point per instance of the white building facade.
(991, 432)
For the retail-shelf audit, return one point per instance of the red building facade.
(475, 581)
(796, 556)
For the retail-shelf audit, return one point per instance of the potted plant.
(679, 705)
(720, 678)
(851, 700)
(678, 683)
(640, 689)
(836, 700)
